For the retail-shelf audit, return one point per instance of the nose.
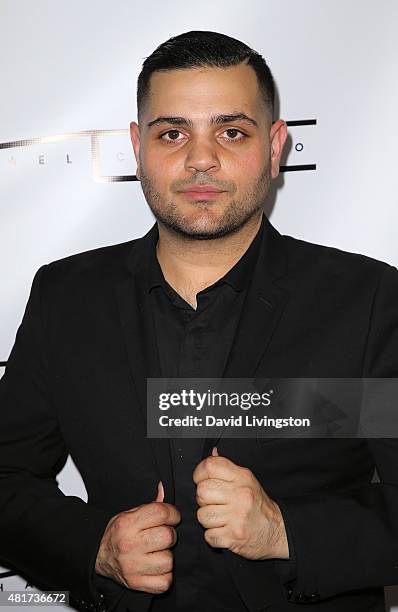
(202, 155)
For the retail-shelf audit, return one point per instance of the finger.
(216, 467)
(157, 538)
(174, 515)
(157, 513)
(214, 452)
(153, 584)
(212, 516)
(217, 537)
(215, 491)
(160, 493)
(158, 563)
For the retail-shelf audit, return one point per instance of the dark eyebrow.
(170, 121)
(216, 119)
(220, 119)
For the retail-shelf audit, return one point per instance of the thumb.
(160, 493)
(214, 452)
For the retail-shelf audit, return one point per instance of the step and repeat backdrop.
(68, 79)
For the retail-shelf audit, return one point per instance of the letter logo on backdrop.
(112, 149)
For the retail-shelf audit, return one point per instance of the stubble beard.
(203, 227)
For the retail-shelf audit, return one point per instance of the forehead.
(204, 90)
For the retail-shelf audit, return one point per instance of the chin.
(202, 223)
(203, 229)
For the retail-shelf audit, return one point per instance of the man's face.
(206, 150)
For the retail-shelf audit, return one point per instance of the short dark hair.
(202, 48)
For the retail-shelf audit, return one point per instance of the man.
(213, 290)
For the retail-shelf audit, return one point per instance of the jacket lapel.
(141, 346)
(265, 301)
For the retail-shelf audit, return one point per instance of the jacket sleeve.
(50, 538)
(349, 541)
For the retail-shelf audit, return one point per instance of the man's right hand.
(134, 549)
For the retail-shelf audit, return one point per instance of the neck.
(190, 266)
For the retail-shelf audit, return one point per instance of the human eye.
(234, 134)
(172, 136)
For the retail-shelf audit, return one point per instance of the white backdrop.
(69, 69)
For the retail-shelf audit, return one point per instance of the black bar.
(297, 168)
(118, 179)
(302, 122)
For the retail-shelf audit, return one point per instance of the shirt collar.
(238, 277)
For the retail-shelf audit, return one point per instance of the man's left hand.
(236, 511)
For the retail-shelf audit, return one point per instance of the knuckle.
(240, 532)
(210, 515)
(163, 536)
(247, 493)
(162, 512)
(213, 540)
(175, 514)
(208, 463)
(157, 510)
(122, 547)
(222, 460)
(120, 523)
(148, 537)
(152, 508)
(201, 492)
(130, 568)
(166, 562)
(134, 582)
(247, 473)
(169, 536)
(201, 488)
(164, 582)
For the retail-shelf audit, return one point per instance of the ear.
(278, 135)
(135, 139)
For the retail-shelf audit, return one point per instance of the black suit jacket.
(76, 383)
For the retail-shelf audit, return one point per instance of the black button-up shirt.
(196, 343)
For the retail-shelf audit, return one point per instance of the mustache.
(203, 180)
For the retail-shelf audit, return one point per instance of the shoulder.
(109, 256)
(85, 271)
(315, 260)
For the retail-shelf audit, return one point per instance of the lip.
(202, 195)
(202, 192)
(202, 189)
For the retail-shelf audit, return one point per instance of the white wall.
(70, 66)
